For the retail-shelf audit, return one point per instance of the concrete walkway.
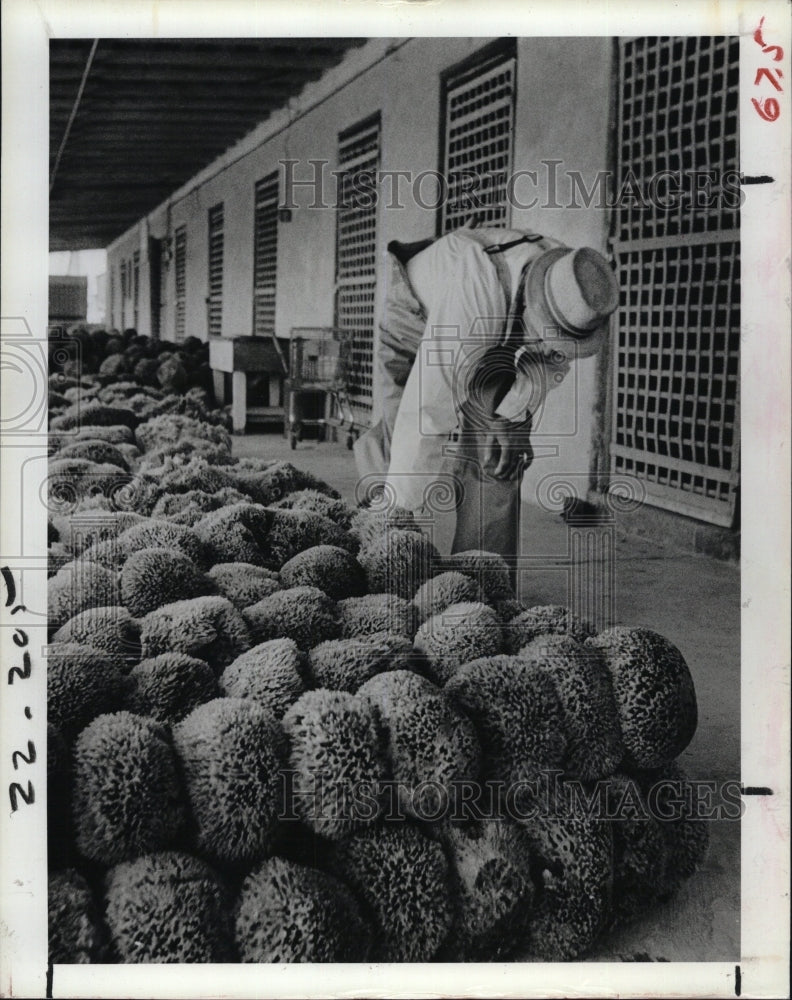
(692, 600)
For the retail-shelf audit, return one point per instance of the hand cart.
(320, 362)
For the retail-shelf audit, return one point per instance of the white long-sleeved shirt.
(467, 312)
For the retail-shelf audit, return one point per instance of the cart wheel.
(293, 441)
(349, 442)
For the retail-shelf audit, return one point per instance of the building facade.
(625, 145)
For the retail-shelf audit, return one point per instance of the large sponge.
(583, 684)
(127, 794)
(209, 628)
(517, 714)
(377, 613)
(243, 583)
(157, 576)
(430, 744)
(398, 562)
(336, 762)
(270, 673)
(305, 614)
(288, 912)
(82, 682)
(404, 880)
(231, 754)
(457, 635)
(168, 907)
(169, 686)
(76, 935)
(328, 567)
(655, 696)
(345, 664)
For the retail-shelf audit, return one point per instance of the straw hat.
(569, 295)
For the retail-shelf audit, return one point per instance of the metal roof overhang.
(133, 120)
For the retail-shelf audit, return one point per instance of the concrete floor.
(695, 602)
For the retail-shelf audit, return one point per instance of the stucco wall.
(562, 112)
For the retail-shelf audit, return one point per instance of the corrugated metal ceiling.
(140, 117)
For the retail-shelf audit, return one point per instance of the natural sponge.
(270, 673)
(277, 479)
(75, 928)
(293, 531)
(574, 855)
(157, 576)
(162, 534)
(328, 567)
(517, 715)
(305, 614)
(377, 613)
(82, 682)
(288, 912)
(457, 635)
(488, 569)
(368, 525)
(640, 852)
(238, 533)
(490, 864)
(676, 804)
(443, 590)
(549, 619)
(336, 761)
(81, 415)
(404, 880)
(583, 684)
(398, 562)
(127, 795)
(345, 664)
(169, 686)
(655, 696)
(95, 450)
(111, 629)
(230, 751)
(190, 507)
(79, 585)
(318, 503)
(243, 583)
(209, 628)
(168, 907)
(429, 742)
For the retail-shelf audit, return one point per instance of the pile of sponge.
(282, 729)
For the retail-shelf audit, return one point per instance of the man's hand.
(507, 448)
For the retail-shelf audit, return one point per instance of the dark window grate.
(356, 256)
(265, 256)
(677, 329)
(180, 278)
(216, 239)
(136, 290)
(478, 137)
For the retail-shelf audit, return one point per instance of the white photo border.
(765, 414)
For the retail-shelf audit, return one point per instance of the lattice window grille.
(216, 240)
(677, 329)
(356, 257)
(136, 289)
(478, 138)
(111, 293)
(180, 280)
(265, 256)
